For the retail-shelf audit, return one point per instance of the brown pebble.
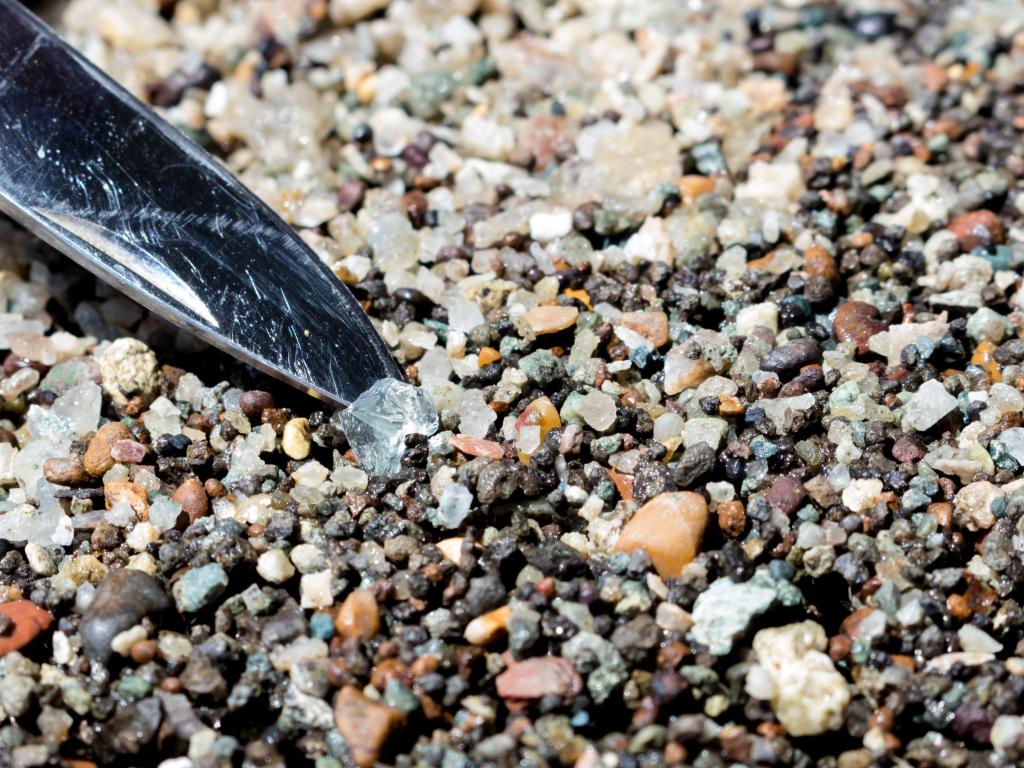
(28, 619)
(839, 647)
(358, 617)
(977, 228)
(133, 495)
(65, 471)
(786, 494)
(254, 401)
(171, 685)
(98, 459)
(958, 607)
(214, 488)
(365, 724)
(820, 263)
(857, 322)
(907, 448)
(669, 528)
(192, 497)
(143, 651)
(942, 511)
(732, 518)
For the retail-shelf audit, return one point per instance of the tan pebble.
(133, 495)
(487, 628)
(358, 617)
(295, 439)
(653, 326)
(65, 471)
(192, 497)
(683, 372)
(451, 548)
(364, 723)
(550, 319)
(669, 528)
(97, 458)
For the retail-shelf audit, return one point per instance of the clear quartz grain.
(379, 420)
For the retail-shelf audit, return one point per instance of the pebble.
(539, 677)
(39, 560)
(122, 599)
(724, 610)
(199, 586)
(316, 589)
(792, 356)
(124, 492)
(652, 325)
(669, 528)
(477, 446)
(28, 621)
(974, 640)
(193, 499)
(295, 440)
(977, 229)
(928, 406)
(484, 630)
(358, 617)
(274, 566)
(786, 494)
(550, 319)
(128, 368)
(806, 693)
(128, 451)
(861, 495)
(366, 725)
(856, 323)
(550, 225)
(65, 471)
(598, 410)
(98, 457)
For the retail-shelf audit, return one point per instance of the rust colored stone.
(193, 499)
(365, 724)
(358, 617)
(28, 619)
(978, 228)
(857, 322)
(732, 518)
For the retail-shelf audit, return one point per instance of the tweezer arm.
(97, 175)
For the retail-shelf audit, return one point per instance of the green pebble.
(199, 586)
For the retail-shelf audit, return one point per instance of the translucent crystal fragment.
(47, 525)
(377, 423)
(72, 415)
(453, 507)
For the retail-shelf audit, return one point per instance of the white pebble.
(274, 566)
(551, 225)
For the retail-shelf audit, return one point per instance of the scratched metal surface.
(100, 177)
